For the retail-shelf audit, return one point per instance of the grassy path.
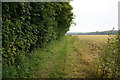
(70, 57)
(51, 64)
(80, 61)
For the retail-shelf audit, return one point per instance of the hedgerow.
(27, 25)
(109, 61)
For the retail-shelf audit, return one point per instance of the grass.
(54, 66)
(41, 62)
(81, 60)
(51, 56)
(69, 57)
(72, 58)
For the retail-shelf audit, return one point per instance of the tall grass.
(34, 60)
(109, 60)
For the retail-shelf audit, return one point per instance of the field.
(71, 57)
(95, 38)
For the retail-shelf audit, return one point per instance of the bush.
(109, 60)
(28, 25)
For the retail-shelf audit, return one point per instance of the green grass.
(54, 60)
(41, 62)
(69, 57)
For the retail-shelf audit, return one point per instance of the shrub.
(27, 25)
(110, 58)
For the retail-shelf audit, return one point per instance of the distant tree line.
(94, 33)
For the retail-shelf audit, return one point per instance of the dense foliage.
(110, 58)
(29, 25)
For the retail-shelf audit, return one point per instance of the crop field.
(94, 42)
(95, 38)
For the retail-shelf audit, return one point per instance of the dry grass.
(74, 58)
(81, 61)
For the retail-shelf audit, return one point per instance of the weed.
(109, 59)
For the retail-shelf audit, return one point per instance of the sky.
(94, 15)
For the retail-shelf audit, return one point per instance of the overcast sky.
(94, 15)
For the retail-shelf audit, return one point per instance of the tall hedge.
(30, 24)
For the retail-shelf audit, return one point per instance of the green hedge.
(27, 25)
